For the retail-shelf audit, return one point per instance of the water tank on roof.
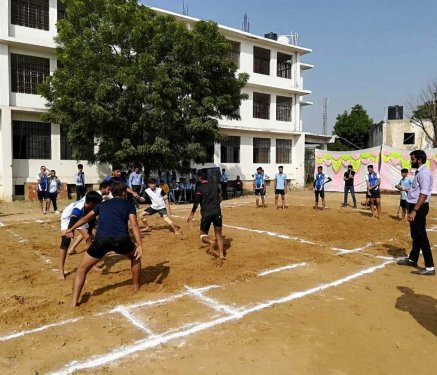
(395, 112)
(284, 39)
(271, 35)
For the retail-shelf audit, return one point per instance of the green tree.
(424, 109)
(352, 129)
(144, 87)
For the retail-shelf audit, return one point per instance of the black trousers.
(419, 236)
(224, 185)
(80, 192)
(136, 189)
(53, 197)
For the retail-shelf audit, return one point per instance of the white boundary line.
(289, 267)
(136, 322)
(100, 360)
(212, 303)
(39, 329)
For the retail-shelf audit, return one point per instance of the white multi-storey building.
(268, 134)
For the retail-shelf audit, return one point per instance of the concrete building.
(269, 133)
(401, 134)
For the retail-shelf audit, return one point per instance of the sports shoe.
(344, 205)
(407, 262)
(355, 206)
(57, 212)
(424, 272)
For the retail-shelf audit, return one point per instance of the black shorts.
(43, 195)
(403, 203)
(260, 192)
(103, 245)
(206, 221)
(374, 194)
(320, 193)
(280, 191)
(152, 211)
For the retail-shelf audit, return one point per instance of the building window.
(30, 13)
(31, 140)
(261, 106)
(261, 60)
(409, 138)
(27, 72)
(230, 150)
(283, 108)
(234, 54)
(61, 9)
(210, 153)
(284, 65)
(66, 147)
(283, 151)
(261, 150)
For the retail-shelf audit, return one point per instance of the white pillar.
(299, 159)
(4, 75)
(5, 6)
(6, 182)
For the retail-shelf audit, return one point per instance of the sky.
(375, 53)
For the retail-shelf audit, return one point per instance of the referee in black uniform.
(208, 196)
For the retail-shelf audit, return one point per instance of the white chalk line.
(136, 322)
(141, 345)
(212, 303)
(39, 329)
(280, 269)
(20, 239)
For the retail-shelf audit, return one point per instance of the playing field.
(301, 292)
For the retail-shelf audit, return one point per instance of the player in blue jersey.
(259, 187)
(404, 186)
(320, 179)
(280, 186)
(373, 180)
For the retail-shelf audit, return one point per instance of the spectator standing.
(42, 189)
(54, 185)
(349, 186)
(79, 179)
(418, 207)
(224, 183)
(136, 183)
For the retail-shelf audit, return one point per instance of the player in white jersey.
(160, 205)
(71, 214)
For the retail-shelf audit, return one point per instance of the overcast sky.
(375, 52)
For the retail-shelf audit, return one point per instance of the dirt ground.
(340, 307)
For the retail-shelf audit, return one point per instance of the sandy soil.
(338, 321)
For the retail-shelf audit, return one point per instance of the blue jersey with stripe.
(319, 180)
(259, 181)
(373, 179)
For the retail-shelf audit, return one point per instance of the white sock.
(429, 268)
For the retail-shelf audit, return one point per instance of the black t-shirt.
(349, 182)
(114, 217)
(208, 196)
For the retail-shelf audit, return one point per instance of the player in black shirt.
(208, 196)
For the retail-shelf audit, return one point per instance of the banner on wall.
(335, 165)
(386, 160)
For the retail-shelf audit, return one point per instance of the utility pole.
(325, 116)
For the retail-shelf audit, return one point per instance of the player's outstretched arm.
(89, 216)
(136, 231)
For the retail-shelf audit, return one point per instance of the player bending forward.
(208, 196)
(160, 205)
(112, 235)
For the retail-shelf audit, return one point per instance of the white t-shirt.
(53, 187)
(75, 208)
(157, 198)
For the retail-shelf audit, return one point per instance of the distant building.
(269, 133)
(402, 134)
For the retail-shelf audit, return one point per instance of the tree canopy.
(423, 109)
(144, 87)
(353, 127)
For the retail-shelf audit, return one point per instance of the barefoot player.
(112, 235)
(208, 196)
